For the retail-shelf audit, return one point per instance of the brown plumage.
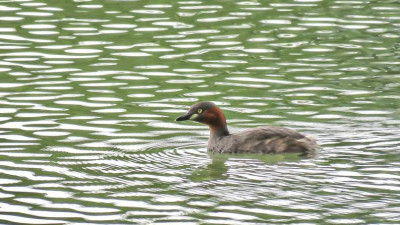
(265, 139)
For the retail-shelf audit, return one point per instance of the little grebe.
(265, 139)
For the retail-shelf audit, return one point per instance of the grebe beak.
(183, 117)
(187, 116)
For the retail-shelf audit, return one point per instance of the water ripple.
(88, 103)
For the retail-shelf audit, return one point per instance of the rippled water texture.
(90, 89)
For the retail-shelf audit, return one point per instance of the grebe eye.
(199, 111)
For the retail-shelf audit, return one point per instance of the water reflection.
(218, 168)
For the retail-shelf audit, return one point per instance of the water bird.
(264, 139)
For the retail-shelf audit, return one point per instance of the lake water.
(90, 89)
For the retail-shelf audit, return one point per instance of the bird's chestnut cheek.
(206, 117)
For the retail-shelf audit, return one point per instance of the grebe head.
(209, 114)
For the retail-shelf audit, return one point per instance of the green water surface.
(90, 89)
